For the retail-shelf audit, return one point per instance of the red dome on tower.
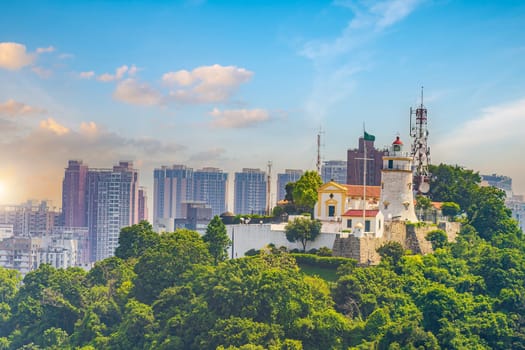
(397, 141)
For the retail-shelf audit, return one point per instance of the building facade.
(355, 165)
(171, 187)
(112, 203)
(74, 194)
(143, 205)
(334, 170)
(250, 192)
(289, 175)
(210, 185)
(397, 195)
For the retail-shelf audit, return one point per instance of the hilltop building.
(397, 198)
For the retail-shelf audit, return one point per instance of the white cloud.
(208, 155)
(120, 72)
(238, 118)
(49, 146)
(133, 92)
(14, 56)
(45, 49)
(14, 108)
(53, 126)
(206, 84)
(370, 18)
(181, 77)
(89, 129)
(496, 124)
(42, 72)
(86, 75)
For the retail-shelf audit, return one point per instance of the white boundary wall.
(257, 236)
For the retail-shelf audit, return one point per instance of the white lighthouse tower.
(397, 199)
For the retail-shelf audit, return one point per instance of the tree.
(303, 229)
(135, 239)
(305, 190)
(438, 238)
(423, 202)
(450, 209)
(391, 252)
(217, 239)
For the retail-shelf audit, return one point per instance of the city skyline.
(234, 86)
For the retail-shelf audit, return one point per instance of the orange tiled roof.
(357, 212)
(357, 191)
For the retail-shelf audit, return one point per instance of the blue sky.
(235, 84)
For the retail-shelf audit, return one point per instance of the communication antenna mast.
(318, 163)
(268, 187)
(420, 149)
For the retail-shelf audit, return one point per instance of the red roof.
(397, 141)
(358, 212)
(357, 191)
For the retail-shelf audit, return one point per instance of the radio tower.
(420, 149)
(318, 163)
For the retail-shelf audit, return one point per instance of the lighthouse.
(397, 199)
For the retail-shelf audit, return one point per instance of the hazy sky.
(235, 84)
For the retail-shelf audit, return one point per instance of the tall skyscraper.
(210, 185)
(373, 166)
(143, 204)
(290, 175)
(74, 194)
(112, 203)
(250, 192)
(335, 170)
(171, 187)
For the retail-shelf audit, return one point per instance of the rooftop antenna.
(420, 150)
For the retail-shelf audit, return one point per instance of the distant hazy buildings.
(250, 192)
(210, 185)
(112, 203)
(171, 186)
(289, 175)
(514, 202)
(30, 218)
(334, 170)
(499, 181)
(373, 166)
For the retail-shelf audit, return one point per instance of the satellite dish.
(424, 187)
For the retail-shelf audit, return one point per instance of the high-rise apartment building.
(334, 170)
(171, 187)
(74, 194)
(355, 165)
(210, 185)
(112, 203)
(142, 204)
(289, 175)
(250, 192)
